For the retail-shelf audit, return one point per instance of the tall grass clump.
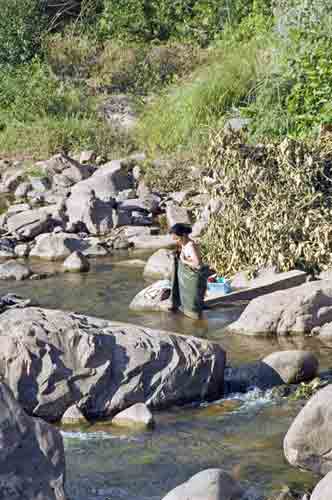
(183, 115)
(276, 205)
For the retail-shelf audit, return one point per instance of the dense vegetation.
(190, 65)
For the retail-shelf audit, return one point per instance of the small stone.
(137, 415)
(13, 270)
(137, 172)
(76, 263)
(73, 416)
(22, 250)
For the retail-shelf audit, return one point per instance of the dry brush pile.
(276, 205)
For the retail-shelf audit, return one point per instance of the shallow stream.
(243, 433)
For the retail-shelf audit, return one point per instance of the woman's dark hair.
(181, 229)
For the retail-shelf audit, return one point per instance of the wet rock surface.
(53, 359)
(32, 461)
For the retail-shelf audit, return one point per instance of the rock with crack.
(53, 359)
(32, 460)
(30, 223)
(91, 212)
(297, 310)
(106, 182)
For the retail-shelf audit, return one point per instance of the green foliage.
(198, 20)
(276, 206)
(21, 26)
(31, 92)
(184, 115)
(294, 97)
(39, 114)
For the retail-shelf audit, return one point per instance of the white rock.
(76, 263)
(137, 415)
(73, 416)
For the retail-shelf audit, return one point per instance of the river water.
(242, 433)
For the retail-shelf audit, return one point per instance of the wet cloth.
(188, 288)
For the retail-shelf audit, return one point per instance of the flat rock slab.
(281, 281)
(32, 460)
(152, 242)
(54, 359)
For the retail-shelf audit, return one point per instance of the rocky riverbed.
(205, 410)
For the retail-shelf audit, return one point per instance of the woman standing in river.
(189, 276)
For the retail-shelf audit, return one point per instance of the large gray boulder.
(54, 359)
(323, 490)
(308, 442)
(210, 484)
(293, 367)
(279, 368)
(176, 214)
(30, 223)
(297, 310)
(106, 182)
(159, 265)
(32, 461)
(87, 210)
(13, 270)
(56, 246)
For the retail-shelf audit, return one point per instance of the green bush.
(31, 92)
(294, 97)
(21, 26)
(198, 20)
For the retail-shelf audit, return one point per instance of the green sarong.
(188, 289)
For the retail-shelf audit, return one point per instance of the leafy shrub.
(30, 92)
(198, 20)
(294, 98)
(21, 26)
(277, 206)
